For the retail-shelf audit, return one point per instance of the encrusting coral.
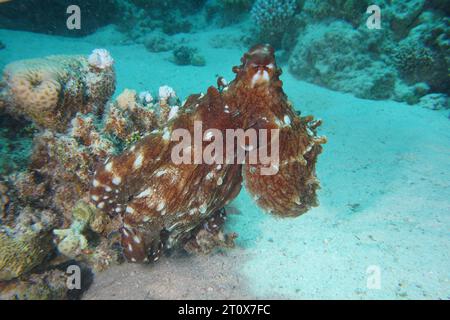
(26, 244)
(50, 285)
(50, 91)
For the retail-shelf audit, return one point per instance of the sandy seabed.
(384, 202)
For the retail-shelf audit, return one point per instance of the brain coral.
(51, 90)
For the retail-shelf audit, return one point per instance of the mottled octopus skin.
(162, 203)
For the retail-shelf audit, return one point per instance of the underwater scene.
(224, 149)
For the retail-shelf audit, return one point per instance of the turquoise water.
(381, 230)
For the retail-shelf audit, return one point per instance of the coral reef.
(44, 217)
(350, 68)
(187, 56)
(164, 204)
(41, 198)
(405, 60)
(423, 55)
(403, 15)
(50, 91)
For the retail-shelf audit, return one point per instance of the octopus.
(163, 204)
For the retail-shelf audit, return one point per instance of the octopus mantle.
(163, 204)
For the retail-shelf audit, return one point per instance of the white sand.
(385, 197)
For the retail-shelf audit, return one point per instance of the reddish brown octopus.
(163, 204)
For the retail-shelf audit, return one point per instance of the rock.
(187, 56)
(158, 42)
(50, 285)
(434, 101)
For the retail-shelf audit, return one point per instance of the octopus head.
(258, 66)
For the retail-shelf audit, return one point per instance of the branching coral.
(273, 18)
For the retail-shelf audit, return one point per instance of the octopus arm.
(120, 177)
(291, 190)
